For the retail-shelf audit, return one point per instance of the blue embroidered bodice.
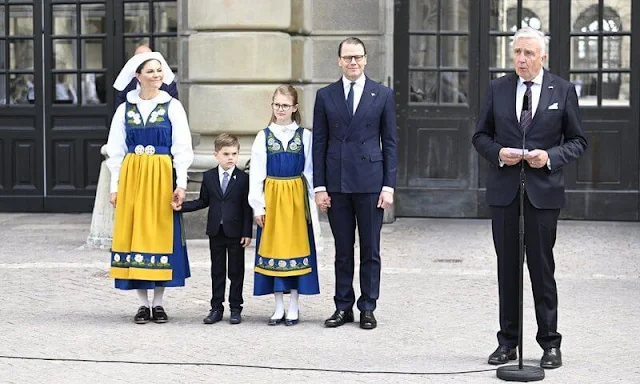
(156, 131)
(283, 162)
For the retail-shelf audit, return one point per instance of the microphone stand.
(520, 372)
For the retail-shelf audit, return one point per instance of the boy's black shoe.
(235, 317)
(143, 316)
(159, 315)
(214, 316)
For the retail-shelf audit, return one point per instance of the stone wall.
(232, 56)
(235, 53)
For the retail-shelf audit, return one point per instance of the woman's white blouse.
(258, 170)
(181, 147)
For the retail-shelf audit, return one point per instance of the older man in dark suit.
(534, 109)
(354, 174)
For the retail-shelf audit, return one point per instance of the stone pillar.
(234, 55)
(237, 52)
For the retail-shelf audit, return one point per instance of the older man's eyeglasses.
(284, 107)
(348, 59)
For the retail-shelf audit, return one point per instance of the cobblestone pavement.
(437, 312)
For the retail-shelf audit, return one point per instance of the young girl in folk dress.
(280, 187)
(149, 140)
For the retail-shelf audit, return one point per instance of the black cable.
(404, 373)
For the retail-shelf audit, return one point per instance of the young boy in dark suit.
(225, 191)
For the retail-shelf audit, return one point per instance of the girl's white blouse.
(258, 169)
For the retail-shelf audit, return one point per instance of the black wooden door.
(592, 44)
(603, 63)
(21, 107)
(86, 43)
(58, 60)
(435, 80)
(78, 59)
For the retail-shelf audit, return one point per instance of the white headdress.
(128, 72)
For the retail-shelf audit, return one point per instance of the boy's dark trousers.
(229, 219)
(220, 245)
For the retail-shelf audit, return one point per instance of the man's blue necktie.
(225, 182)
(350, 99)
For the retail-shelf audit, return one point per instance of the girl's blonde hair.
(289, 91)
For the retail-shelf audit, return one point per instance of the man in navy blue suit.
(354, 174)
(537, 110)
(171, 89)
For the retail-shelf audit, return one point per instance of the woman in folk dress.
(149, 141)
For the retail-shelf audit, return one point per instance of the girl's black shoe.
(143, 316)
(276, 321)
(159, 315)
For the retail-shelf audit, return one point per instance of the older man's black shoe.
(551, 358)
(502, 355)
(367, 320)
(339, 318)
(214, 316)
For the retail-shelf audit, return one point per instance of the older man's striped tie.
(526, 114)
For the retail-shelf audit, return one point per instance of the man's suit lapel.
(232, 181)
(337, 94)
(216, 182)
(546, 93)
(369, 95)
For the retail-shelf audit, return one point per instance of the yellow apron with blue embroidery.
(144, 218)
(285, 236)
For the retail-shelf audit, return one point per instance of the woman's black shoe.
(143, 316)
(291, 322)
(159, 315)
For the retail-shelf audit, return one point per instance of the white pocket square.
(553, 106)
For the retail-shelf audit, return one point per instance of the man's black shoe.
(551, 358)
(367, 320)
(339, 318)
(502, 355)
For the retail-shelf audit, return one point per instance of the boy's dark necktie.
(225, 182)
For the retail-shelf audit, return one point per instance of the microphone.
(525, 107)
